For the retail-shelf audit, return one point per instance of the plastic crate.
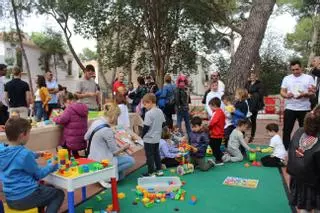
(159, 184)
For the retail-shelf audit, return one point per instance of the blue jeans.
(39, 111)
(184, 114)
(44, 196)
(124, 163)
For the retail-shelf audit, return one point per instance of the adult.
(118, 83)
(17, 94)
(303, 165)
(256, 93)
(87, 91)
(214, 77)
(103, 143)
(41, 99)
(214, 93)
(151, 85)
(138, 94)
(166, 100)
(295, 89)
(182, 104)
(4, 115)
(316, 73)
(53, 89)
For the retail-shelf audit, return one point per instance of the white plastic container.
(160, 184)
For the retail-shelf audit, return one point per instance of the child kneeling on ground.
(235, 141)
(200, 140)
(276, 147)
(168, 151)
(20, 172)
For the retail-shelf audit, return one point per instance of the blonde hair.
(112, 112)
(149, 97)
(242, 94)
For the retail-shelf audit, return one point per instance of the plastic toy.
(246, 165)
(241, 182)
(110, 208)
(256, 163)
(252, 156)
(121, 195)
(185, 169)
(88, 210)
(47, 155)
(209, 151)
(193, 200)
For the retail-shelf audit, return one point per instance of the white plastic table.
(70, 184)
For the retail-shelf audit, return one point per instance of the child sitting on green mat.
(276, 147)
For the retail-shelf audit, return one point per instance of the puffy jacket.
(75, 122)
(240, 113)
(217, 123)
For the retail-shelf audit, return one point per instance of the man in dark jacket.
(256, 93)
(316, 74)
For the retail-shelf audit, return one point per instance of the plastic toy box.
(160, 184)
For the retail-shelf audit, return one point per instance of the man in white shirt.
(296, 89)
(4, 114)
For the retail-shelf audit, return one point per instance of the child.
(20, 172)
(216, 129)
(228, 110)
(151, 133)
(168, 151)
(74, 119)
(123, 119)
(42, 98)
(176, 135)
(199, 139)
(241, 106)
(304, 164)
(235, 141)
(277, 158)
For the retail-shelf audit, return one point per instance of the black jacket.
(256, 91)
(181, 100)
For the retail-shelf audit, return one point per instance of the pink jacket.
(74, 119)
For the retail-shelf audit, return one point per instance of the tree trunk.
(21, 45)
(250, 43)
(100, 68)
(73, 52)
(314, 41)
(55, 66)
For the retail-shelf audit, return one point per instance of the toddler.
(168, 151)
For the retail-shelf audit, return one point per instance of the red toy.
(256, 163)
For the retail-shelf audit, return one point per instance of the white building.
(66, 76)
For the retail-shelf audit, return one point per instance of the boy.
(235, 141)
(216, 129)
(199, 139)
(228, 110)
(151, 134)
(20, 172)
(277, 158)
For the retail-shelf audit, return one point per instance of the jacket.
(217, 123)
(45, 97)
(240, 113)
(167, 150)
(181, 100)
(199, 140)
(164, 94)
(75, 122)
(138, 94)
(19, 171)
(256, 92)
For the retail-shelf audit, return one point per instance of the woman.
(103, 143)
(42, 98)
(182, 103)
(304, 164)
(166, 100)
(255, 90)
(137, 95)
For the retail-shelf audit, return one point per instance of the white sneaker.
(159, 173)
(105, 184)
(211, 161)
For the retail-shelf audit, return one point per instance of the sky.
(280, 25)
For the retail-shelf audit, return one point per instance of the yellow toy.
(121, 195)
(230, 108)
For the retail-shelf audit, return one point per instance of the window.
(69, 67)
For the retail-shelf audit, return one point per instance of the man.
(215, 77)
(17, 94)
(118, 83)
(53, 89)
(4, 115)
(87, 91)
(316, 73)
(296, 90)
(151, 85)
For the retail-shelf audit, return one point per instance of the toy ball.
(252, 156)
(246, 165)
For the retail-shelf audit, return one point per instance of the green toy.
(252, 156)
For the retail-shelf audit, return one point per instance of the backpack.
(171, 99)
(92, 134)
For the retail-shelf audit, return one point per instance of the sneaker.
(159, 173)
(219, 163)
(163, 166)
(148, 175)
(105, 184)
(211, 162)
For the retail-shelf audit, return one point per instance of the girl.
(304, 164)
(42, 98)
(74, 119)
(168, 152)
(241, 106)
(103, 143)
(123, 119)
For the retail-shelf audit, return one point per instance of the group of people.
(229, 116)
